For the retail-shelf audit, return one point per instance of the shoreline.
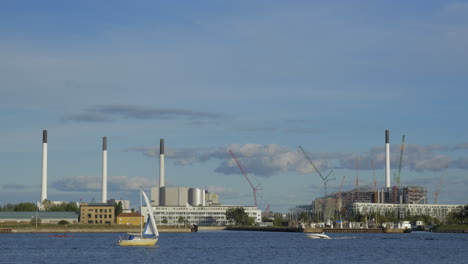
(126, 229)
(103, 229)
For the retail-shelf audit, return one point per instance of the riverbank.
(451, 228)
(316, 230)
(82, 228)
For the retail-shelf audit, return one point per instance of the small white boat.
(318, 235)
(147, 237)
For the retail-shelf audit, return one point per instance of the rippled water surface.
(237, 247)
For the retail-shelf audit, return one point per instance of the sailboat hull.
(137, 241)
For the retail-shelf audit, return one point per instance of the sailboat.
(147, 236)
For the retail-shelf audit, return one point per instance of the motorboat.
(318, 236)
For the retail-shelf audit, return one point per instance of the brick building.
(97, 213)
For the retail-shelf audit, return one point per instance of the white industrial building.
(193, 206)
(200, 215)
(439, 211)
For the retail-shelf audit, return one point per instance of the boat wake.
(348, 238)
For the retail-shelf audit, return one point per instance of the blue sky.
(257, 77)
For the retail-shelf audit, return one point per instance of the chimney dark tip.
(161, 146)
(44, 136)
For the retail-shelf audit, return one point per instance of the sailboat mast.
(141, 214)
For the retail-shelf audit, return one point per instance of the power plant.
(176, 196)
(398, 200)
(200, 207)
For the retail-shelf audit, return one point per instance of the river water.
(237, 247)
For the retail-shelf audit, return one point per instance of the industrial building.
(190, 206)
(439, 211)
(196, 206)
(200, 215)
(402, 200)
(97, 213)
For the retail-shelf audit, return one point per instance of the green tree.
(277, 222)
(57, 207)
(118, 209)
(303, 217)
(33, 221)
(63, 222)
(180, 220)
(23, 207)
(72, 207)
(8, 207)
(452, 218)
(237, 214)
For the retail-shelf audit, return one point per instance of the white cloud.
(93, 183)
(273, 159)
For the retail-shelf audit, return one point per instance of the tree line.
(46, 205)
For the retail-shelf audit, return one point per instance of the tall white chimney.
(387, 159)
(104, 169)
(161, 162)
(44, 166)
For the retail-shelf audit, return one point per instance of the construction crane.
(341, 187)
(266, 213)
(375, 182)
(439, 186)
(324, 179)
(397, 176)
(357, 172)
(254, 188)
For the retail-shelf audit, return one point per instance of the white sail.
(150, 228)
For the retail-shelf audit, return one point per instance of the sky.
(260, 78)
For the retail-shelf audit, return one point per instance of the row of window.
(100, 210)
(98, 216)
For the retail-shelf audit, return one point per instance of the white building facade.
(439, 211)
(199, 215)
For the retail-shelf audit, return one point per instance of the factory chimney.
(387, 159)
(44, 166)
(161, 163)
(104, 170)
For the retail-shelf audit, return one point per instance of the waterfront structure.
(42, 216)
(130, 219)
(97, 213)
(200, 215)
(439, 211)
